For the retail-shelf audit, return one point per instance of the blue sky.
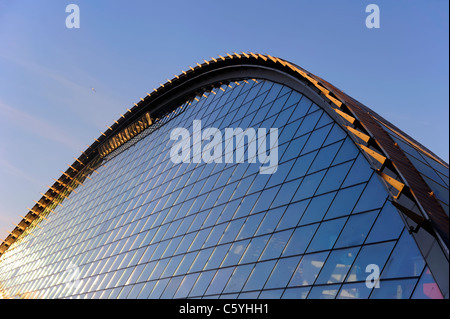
(49, 112)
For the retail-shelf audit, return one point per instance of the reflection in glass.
(308, 269)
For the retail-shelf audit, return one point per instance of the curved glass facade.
(321, 226)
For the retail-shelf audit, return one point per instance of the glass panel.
(201, 259)
(345, 201)
(270, 221)
(336, 134)
(282, 272)
(309, 123)
(171, 288)
(354, 291)
(308, 269)
(337, 266)
(317, 208)
(296, 293)
(302, 108)
(185, 286)
(300, 240)
(356, 229)
(308, 186)
(266, 199)
(219, 281)
(387, 226)
(271, 294)
(359, 173)
(231, 231)
(254, 249)
(158, 289)
(427, 287)
(259, 275)
(238, 278)
(292, 215)
(316, 139)
(373, 196)
(405, 261)
(276, 245)
(334, 177)
(394, 289)
(250, 226)
(323, 292)
(301, 166)
(235, 253)
(371, 254)
(202, 283)
(286, 193)
(217, 256)
(348, 151)
(325, 157)
(326, 235)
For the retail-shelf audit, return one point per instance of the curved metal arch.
(361, 123)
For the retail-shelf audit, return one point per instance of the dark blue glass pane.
(301, 166)
(348, 151)
(323, 292)
(324, 157)
(345, 201)
(296, 293)
(292, 215)
(337, 265)
(359, 173)
(235, 253)
(426, 287)
(238, 278)
(286, 193)
(373, 196)
(376, 254)
(405, 261)
(300, 240)
(276, 245)
(219, 281)
(334, 177)
(254, 249)
(270, 222)
(282, 272)
(354, 291)
(308, 269)
(356, 229)
(308, 186)
(271, 294)
(202, 283)
(317, 208)
(326, 235)
(308, 124)
(394, 289)
(387, 226)
(259, 275)
(316, 139)
(250, 226)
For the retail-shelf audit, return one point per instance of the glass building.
(348, 207)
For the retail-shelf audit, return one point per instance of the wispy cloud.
(37, 126)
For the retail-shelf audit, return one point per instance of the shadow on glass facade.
(322, 226)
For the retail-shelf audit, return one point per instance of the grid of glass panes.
(144, 227)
